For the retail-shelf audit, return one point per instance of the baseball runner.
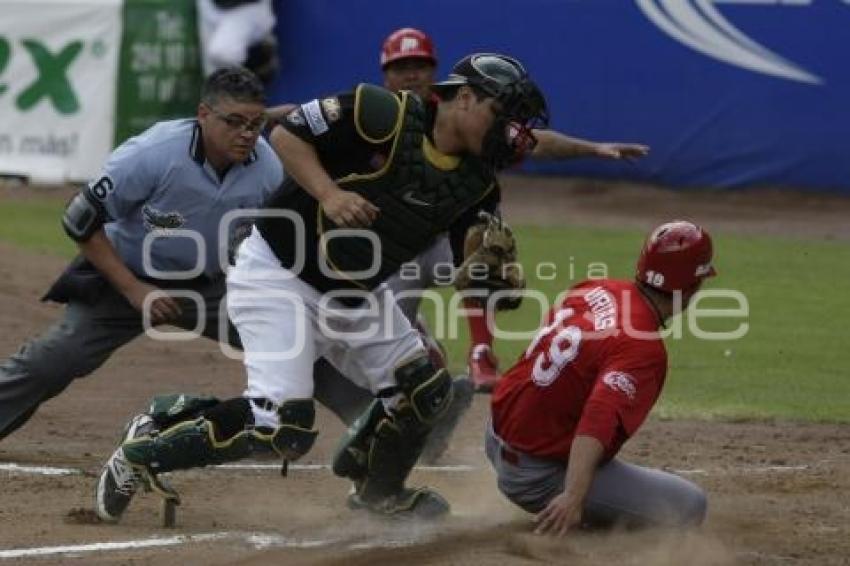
(376, 176)
(584, 386)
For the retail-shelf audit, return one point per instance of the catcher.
(408, 61)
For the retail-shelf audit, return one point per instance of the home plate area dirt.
(778, 491)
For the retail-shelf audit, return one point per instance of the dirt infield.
(777, 490)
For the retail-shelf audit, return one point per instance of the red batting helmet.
(406, 43)
(676, 257)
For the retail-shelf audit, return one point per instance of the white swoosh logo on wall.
(699, 25)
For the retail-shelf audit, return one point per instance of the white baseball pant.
(286, 325)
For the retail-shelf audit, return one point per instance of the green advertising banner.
(160, 66)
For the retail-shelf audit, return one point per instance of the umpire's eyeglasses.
(241, 123)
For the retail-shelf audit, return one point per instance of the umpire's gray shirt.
(166, 202)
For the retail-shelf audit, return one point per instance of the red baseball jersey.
(595, 369)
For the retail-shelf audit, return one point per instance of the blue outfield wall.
(729, 93)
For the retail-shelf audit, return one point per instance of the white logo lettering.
(622, 382)
(102, 188)
(410, 197)
(409, 44)
(313, 113)
(703, 270)
(603, 307)
(655, 279)
(699, 25)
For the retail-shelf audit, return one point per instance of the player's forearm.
(301, 162)
(102, 254)
(585, 455)
(555, 145)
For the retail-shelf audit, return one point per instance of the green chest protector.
(419, 191)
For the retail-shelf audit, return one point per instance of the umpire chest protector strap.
(419, 190)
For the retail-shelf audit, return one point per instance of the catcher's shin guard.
(205, 440)
(351, 459)
(381, 448)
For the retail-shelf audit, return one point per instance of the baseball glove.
(489, 264)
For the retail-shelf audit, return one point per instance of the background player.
(583, 387)
(238, 33)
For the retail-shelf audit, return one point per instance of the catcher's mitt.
(489, 264)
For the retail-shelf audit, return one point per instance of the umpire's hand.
(160, 306)
(349, 210)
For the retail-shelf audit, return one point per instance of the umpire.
(154, 211)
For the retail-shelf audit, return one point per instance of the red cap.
(407, 43)
(676, 257)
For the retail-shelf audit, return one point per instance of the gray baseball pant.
(621, 493)
(87, 335)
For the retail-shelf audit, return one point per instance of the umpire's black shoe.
(118, 479)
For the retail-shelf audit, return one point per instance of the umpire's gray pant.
(88, 334)
(621, 493)
(431, 265)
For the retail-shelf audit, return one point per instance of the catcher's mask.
(520, 105)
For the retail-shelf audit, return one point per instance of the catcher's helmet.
(407, 43)
(521, 104)
(676, 257)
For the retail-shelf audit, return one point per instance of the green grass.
(792, 364)
(35, 224)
